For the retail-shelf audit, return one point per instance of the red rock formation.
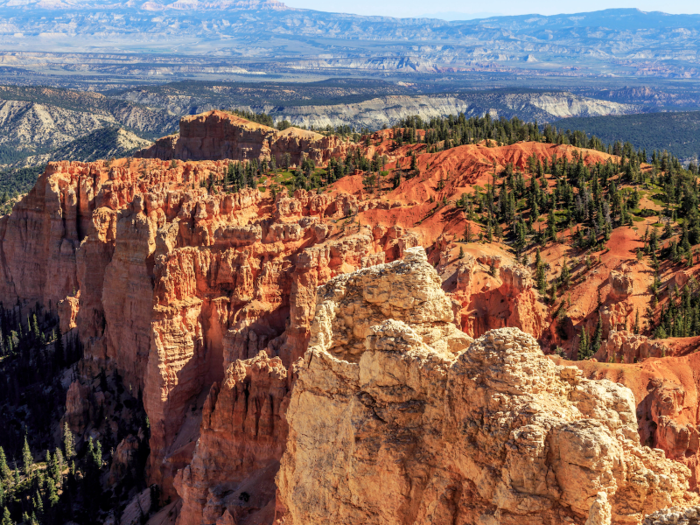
(667, 393)
(243, 436)
(218, 135)
(626, 347)
(496, 295)
(203, 301)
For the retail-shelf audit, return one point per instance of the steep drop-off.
(203, 301)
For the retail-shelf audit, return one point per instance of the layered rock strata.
(168, 283)
(218, 135)
(396, 418)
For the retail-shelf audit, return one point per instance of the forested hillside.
(677, 133)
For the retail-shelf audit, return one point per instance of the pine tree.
(541, 276)
(2, 495)
(35, 328)
(5, 472)
(636, 322)
(27, 459)
(553, 292)
(90, 448)
(6, 518)
(583, 350)
(96, 453)
(565, 276)
(68, 444)
(461, 252)
(39, 504)
(56, 466)
(468, 232)
(51, 492)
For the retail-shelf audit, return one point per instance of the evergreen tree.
(597, 337)
(95, 453)
(583, 345)
(565, 276)
(55, 466)
(551, 226)
(6, 518)
(468, 232)
(27, 459)
(35, 328)
(51, 492)
(636, 322)
(68, 445)
(553, 292)
(541, 279)
(5, 472)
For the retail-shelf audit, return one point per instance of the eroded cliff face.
(667, 394)
(497, 293)
(171, 285)
(396, 418)
(218, 135)
(203, 302)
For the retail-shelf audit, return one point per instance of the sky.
(456, 9)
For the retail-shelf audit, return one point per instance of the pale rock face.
(626, 347)
(600, 513)
(622, 285)
(674, 516)
(390, 423)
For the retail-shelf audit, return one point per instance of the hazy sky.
(451, 9)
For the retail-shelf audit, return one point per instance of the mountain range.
(229, 38)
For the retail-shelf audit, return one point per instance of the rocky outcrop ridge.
(218, 135)
(396, 418)
(626, 347)
(674, 516)
(170, 285)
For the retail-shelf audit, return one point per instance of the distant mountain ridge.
(265, 36)
(155, 5)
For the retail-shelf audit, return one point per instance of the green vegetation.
(44, 480)
(677, 133)
(101, 144)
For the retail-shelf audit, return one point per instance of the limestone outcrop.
(218, 135)
(396, 418)
(626, 347)
(674, 516)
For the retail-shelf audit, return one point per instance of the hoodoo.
(397, 417)
(356, 339)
